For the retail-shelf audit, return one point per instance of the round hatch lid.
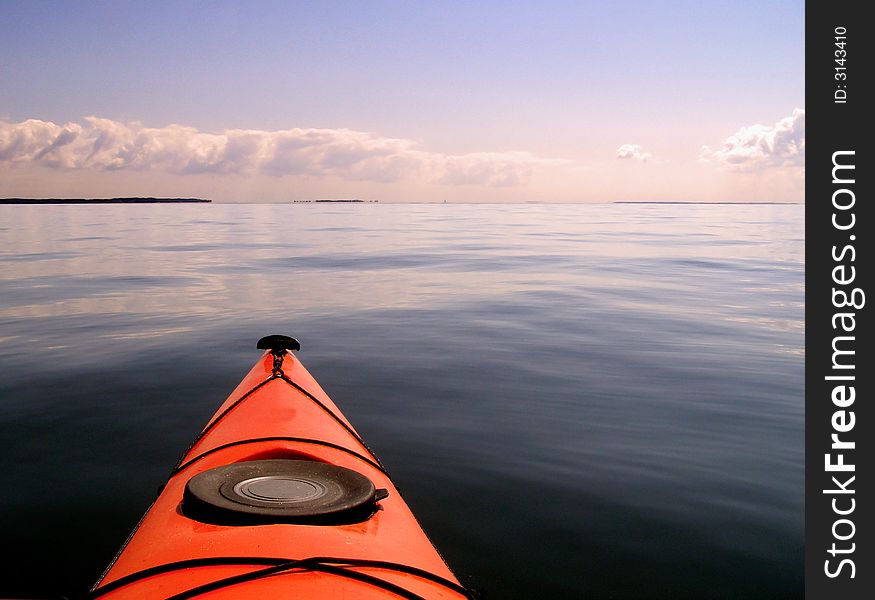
(280, 491)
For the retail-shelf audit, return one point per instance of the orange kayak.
(278, 497)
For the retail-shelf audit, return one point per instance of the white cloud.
(634, 152)
(104, 144)
(762, 146)
(499, 170)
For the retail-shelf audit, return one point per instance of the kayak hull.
(278, 415)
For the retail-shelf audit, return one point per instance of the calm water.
(598, 401)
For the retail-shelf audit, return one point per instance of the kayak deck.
(278, 417)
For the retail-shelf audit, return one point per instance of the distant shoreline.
(149, 200)
(337, 200)
(101, 200)
(684, 202)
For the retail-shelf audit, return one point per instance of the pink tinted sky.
(464, 102)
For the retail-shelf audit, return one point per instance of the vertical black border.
(834, 126)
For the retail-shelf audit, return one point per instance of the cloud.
(763, 146)
(634, 152)
(498, 170)
(108, 145)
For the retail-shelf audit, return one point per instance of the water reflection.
(599, 401)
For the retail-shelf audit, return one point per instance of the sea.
(577, 401)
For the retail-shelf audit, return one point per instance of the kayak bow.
(278, 497)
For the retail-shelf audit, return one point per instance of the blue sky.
(565, 84)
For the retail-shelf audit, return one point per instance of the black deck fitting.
(278, 343)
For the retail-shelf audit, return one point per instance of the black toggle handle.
(278, 343)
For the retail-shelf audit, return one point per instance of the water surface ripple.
(600, 401)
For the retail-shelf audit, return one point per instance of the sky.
(403, 101)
